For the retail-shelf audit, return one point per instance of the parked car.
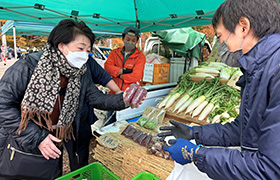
(100, 54)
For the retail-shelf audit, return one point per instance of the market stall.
(199, 98)
(130, 158)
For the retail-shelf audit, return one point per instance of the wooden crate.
(186, 119)
(181, 117)
(197, 79)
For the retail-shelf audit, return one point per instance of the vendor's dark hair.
(264, 15)
(123, 35)
(67, 30)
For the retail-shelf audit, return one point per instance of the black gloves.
(127, 71)
(178, 130)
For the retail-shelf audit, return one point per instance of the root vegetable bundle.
(203, 100)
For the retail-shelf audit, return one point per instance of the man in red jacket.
(126, 64)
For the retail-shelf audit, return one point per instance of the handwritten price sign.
(109, 141)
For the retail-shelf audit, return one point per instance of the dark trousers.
(79, 153)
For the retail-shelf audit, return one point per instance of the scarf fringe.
(29, 113)
(65, 132)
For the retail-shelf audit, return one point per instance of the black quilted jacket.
(12, 89)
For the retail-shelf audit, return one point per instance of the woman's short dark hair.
(264, 15)
(67, 30)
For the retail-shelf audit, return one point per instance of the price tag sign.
(148, 73)
(109, 141)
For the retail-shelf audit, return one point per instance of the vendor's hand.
(178, 130)
(181, 150)
(120, 72)
(48, 148)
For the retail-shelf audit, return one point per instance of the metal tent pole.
(140, 43)
(15, 42)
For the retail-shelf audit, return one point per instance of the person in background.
(249, 35)
(126, 64)
(18, 52)
(41, 99)
(10, 53)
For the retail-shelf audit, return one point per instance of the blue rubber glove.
(182, 151)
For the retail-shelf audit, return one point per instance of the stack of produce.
(134, 95)
(156, 148)
(214, 69)
(203, 100)
(137, 135)
(152, 143)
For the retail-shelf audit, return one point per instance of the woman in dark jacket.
(42, 95)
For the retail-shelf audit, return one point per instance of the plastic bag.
(153, 121)
(142, 120)
(186, 172)
(153, 59)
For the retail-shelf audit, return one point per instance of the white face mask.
(76, 59)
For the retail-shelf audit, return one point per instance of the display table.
(129, 158)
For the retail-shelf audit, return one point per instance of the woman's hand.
(119, 92)
(48, 148)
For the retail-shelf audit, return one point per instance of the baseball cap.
(133, 29)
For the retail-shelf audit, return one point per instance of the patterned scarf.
(42, 92)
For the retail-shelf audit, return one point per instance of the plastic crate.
(145, 176)
(160, 74)
(94, 171)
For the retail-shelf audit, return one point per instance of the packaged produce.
(147, 140)
(131, 133)
(126, 130)
(156, 148)
(131, 92)
(141, 138)
(138, 96)
(153, 121)
(137, 135)
(142, 120)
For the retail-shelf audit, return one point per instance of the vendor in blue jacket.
(249, 34)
